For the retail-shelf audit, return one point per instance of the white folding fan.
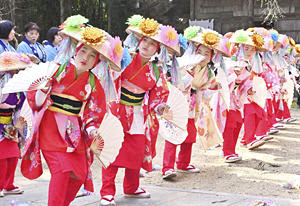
(260, 88)
(173, 128)
(224, 92)
(26, 113)
(32, 78)
(106, 146)
(187, 62)
(289, 87)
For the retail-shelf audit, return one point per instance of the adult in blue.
(7, 33)
(29, 45)
(9, 105)
(53, 41)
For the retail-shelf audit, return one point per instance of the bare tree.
(271, 11)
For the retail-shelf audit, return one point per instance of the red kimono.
(142, 89)
(61, 134)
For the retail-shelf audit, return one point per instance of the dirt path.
(262, 172)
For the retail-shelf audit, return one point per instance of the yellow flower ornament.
(93, 36)
(258, 40)
(210, 39)
(148, 27)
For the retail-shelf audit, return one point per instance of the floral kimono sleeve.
(159, 93)
(95, 108)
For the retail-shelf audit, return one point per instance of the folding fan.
(260, 88)
(187, 62)
(32, 78)
(224, 92)
(207, 129)
(26, 113)
(173, 127)
(107, 145)
(289, 87)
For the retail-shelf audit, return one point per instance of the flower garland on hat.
(240, 36)
(116, 51)
(191, 32)
(292, 42)
(274, 35)
(14, 60)
(93, 36)
(297, 48)
(148, 27)
(258, 40)
(182, 41)
(134, 20)
(74, 22)
(168, 35)
(210, 39)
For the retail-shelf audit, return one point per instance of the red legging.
(184, 156)
(7, 173)
(63, 186)
(130, 184)
(231, 132)
(62, 189)
(285, 113)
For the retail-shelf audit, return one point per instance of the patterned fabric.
(141, 78)
(71, 128)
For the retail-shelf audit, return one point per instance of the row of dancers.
(246, 77)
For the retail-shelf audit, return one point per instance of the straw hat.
(13, 61)
(208, 38)
(251, 38)
(109, 47)
(297, 49)
(224, 46)
(283, 40)
(292, 42)
(267, 36)
(165, 35)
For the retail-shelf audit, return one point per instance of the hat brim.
(250, 43)
(173, 50)
(103, 49)
(197, 40)
(16, 66)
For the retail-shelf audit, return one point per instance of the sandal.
(139, 193)
(189, 169)
(108, 200)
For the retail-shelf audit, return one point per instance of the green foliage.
(109, 15)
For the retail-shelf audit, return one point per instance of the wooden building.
(230, 15)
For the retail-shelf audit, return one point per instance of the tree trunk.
(65, 9)
(12, 8)
(192, 9)
(251, 12)
(109, 15)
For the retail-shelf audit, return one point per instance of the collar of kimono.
(136, 62)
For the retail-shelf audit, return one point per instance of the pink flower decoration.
(116, 51)
(168, 35)
(25, 58)
(12, 56)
